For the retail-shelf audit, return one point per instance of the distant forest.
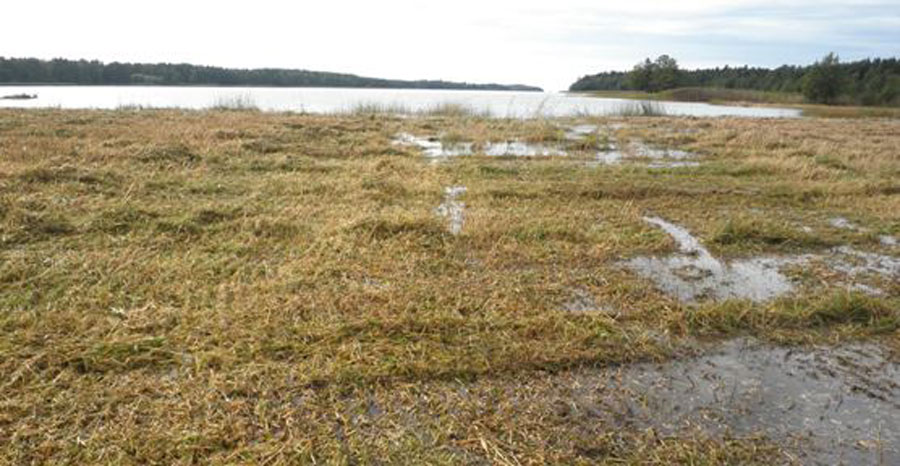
(84, 72)
(865, 82)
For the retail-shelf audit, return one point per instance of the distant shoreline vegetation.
(32, 71)
(871, 82)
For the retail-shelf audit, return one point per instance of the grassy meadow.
(260, 288)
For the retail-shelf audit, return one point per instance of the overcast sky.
(548, 43)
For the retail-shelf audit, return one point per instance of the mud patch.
(835, 404)
(452, 209)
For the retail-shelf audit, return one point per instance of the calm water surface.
(328, 100)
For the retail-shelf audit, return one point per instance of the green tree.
(654, 76)
(666, 74)
(824, 82)
(641, 76)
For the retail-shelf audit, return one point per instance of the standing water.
(331, 100)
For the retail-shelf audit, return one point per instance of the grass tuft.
(751, 233)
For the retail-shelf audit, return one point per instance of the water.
(842, 223)
(433, 148)
(838, 404)
(452, 209)
(326, 100)
(693, 274)
(822, 404)
(521, 149)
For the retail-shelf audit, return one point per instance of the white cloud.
(540, 42)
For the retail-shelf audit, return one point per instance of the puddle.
(640, 152)
(842, 223)
(578, 132)
(452, 209)
(610, 156)
(432, 147)
(695, 275)
(836, 404)
(521, 149)
(821, 405)
(641, 149)
(672, 164)
(855, 263)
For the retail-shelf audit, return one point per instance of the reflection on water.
(327, 100)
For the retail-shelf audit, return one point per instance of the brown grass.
(244, 287)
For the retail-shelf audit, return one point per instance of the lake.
(332, 100)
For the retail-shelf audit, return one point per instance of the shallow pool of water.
(330, 100)
(432, 147)
(693, 274)
(835, 404)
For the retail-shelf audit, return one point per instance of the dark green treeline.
(84, 72)
(864, 82)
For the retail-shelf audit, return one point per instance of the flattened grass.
(232, 286)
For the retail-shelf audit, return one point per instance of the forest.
(84, 72)
(864, 82)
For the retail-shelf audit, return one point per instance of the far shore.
(749, 98)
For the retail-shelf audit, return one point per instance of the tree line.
(93, 72)
(864, 82)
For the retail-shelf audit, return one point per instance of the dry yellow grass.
(242, 287)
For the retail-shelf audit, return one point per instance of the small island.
(19, 97)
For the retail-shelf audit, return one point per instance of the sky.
(548, 43)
